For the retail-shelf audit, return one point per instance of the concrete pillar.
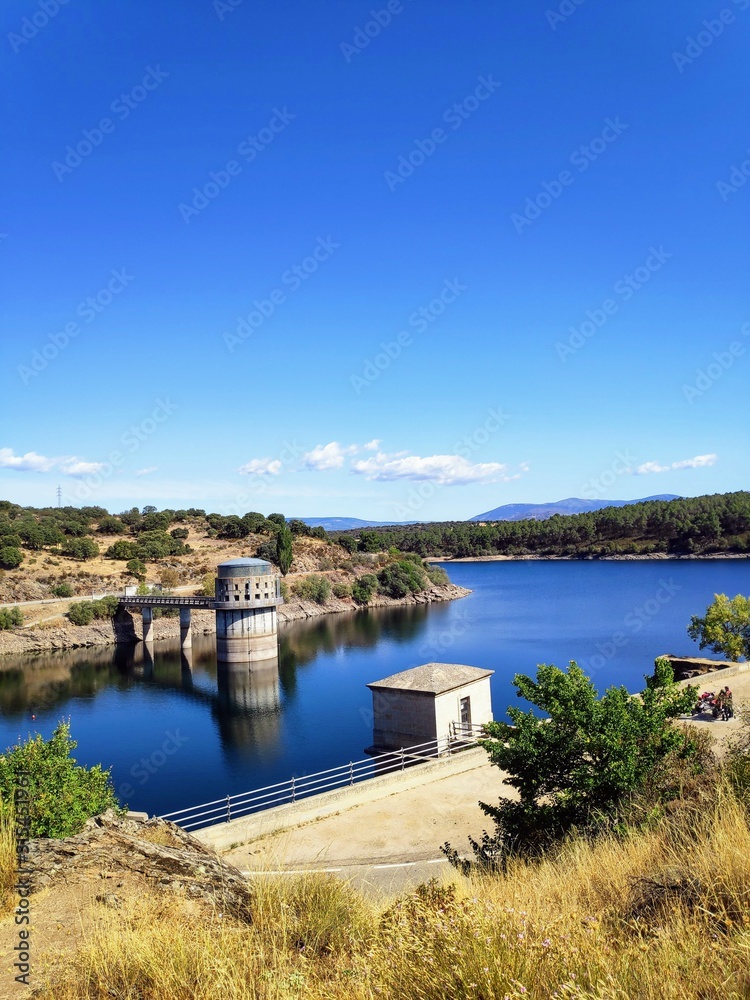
(148, 663)
(186, 636)
(147, 615)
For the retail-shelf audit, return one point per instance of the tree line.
(698, 525)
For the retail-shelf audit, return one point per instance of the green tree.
(59, 794)
(81, 548)
(577, 767)
(62, 590)
(284, 551)
(725, 627)
(136, 568)
(10, 557)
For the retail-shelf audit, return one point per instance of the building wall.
(405, 718)
(402, 718)
(448, 705)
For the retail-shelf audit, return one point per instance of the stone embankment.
(127, 628)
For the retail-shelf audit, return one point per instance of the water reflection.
(247, 701)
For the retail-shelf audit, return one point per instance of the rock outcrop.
(152, 851)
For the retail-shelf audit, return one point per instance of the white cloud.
(147, 471)
(261, 467)
(68, 465)
(447, 470)
(30, 462)
(647, 467)
(77, 467)
(699, 462)
(372, 445)
(328, 456)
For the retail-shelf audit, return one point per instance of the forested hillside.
(697, 525)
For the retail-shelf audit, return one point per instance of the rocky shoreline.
(126, 628)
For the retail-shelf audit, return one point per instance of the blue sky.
(398, 261)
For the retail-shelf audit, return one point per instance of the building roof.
(244, 567)
(433, 678)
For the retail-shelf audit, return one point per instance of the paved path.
(388, 844)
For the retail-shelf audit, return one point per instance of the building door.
(465, 712)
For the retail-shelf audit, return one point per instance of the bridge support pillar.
(147, 616)
(186, 636)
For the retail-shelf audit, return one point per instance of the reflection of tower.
(248, 592)
(250, 703)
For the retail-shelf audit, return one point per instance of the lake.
(179, 731)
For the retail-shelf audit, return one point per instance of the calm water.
(228, 731)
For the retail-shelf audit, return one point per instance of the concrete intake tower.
(248, 591)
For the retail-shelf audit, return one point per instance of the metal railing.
(283, 792)
(156, 601)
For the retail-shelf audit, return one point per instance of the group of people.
(719, 705)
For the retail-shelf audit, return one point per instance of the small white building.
(421, 704)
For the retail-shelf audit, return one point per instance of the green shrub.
(342, 591)
(10, 618)
(81, 613)
(122, 550)
(10, 557)
(284, 590)
(364, 587)
(106, 607)
(400, 578)
(62, 590)
(313, 588)
(60, 795)
(179, 533)
(437, 576)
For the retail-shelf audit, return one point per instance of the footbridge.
(247, 593)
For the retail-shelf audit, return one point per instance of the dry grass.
(8, 862)
(663, 915)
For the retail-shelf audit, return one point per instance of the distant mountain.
(345, 523)
(573, 505)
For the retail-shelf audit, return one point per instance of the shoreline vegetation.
(696, 526)
(127, 628)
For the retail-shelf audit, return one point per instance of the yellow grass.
(659, 915)
(8, 863)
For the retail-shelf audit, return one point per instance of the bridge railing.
(154, 600)
(283, 792)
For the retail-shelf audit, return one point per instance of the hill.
(573, 505)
